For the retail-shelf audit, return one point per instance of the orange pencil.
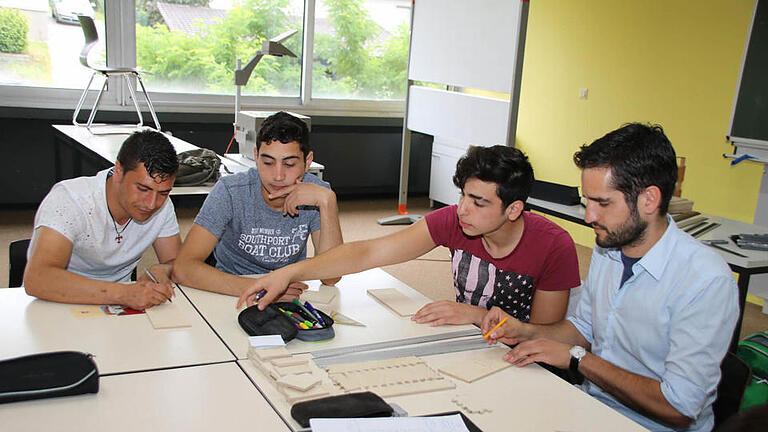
(495, 327)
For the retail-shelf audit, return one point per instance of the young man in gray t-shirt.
(258, 221)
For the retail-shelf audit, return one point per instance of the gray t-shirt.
(253, 238)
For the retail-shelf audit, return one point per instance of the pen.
(495, 327)
(314, 312)
(154, 279)
(297, 320)
(307, 312)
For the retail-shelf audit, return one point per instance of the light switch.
(583, 93)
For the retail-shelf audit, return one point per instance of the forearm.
(638, 392)
(60, 285)
(330, 232)
(197, 274)
(562, 331)
(343, 259)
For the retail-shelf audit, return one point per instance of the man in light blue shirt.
(658, 308)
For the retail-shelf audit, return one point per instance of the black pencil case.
(272, 321)
(352, 405)
(47, 375)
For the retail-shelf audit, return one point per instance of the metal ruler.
(335, 352)
(416, 350)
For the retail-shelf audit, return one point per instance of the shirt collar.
(658, 256)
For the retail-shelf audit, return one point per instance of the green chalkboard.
(750, 112)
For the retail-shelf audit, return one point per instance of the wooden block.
(291, 370)
(301, 382)
(269, 353)
(395, 300)
(324, 295)
(477, 364)
(168, 315)
(289, 361)
(292, 395)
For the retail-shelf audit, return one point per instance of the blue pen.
(314, 312)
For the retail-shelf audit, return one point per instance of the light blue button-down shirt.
(672, 321)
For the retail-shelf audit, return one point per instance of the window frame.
(120, 24)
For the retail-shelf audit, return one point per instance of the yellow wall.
(671, 62)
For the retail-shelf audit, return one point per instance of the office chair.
(736, 375)
(17, 257)
(91, 37)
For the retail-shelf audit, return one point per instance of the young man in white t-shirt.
(90, 232)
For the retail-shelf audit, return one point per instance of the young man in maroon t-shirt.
(502, 256)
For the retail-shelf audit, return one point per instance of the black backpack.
(197, 167)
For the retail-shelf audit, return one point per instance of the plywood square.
(301, 382)
(397, 301)
(168, 315)
(478, 364)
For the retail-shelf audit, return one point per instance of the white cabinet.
(444, 158)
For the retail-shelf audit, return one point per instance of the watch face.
(578, 352)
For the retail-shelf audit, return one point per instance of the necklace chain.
(119, 233)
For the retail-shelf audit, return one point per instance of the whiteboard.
(471, 119)
(465, 43)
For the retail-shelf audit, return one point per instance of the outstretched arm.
(398, 247)
(191, 270)
(46, 277)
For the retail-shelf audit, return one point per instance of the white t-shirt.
(77, 208)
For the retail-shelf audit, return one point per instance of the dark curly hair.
(151, 148)
(285, 128)
(506, 166)
(639, 156)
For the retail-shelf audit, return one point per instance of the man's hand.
(509, 333)
(448, 312)
(144, 294)
(302, 194)
(162, 272)
(546, 351)
(274, 286)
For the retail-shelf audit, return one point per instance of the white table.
(203, 398)
(526, 399)
(119, 343)
(314, 168)
(105, 148)
(352, 300)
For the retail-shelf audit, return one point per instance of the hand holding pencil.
(500, 327)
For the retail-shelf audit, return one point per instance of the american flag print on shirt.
(480, 283)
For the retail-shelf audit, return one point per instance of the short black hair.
(638, 156)
(285, 128)
(151, 148)
(506, 166)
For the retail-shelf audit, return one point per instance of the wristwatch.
(577, 353)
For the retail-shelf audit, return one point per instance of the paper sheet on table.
(452, 423)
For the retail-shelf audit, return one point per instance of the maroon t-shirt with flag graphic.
(544, 259)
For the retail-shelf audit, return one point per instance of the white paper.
(452, 423)
(267, 341)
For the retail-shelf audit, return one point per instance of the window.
(193, 46)
(357, 56)
(41, 42)
(188, 49)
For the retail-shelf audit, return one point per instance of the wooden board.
(478, 364)
(168, 315)
(395, 300)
